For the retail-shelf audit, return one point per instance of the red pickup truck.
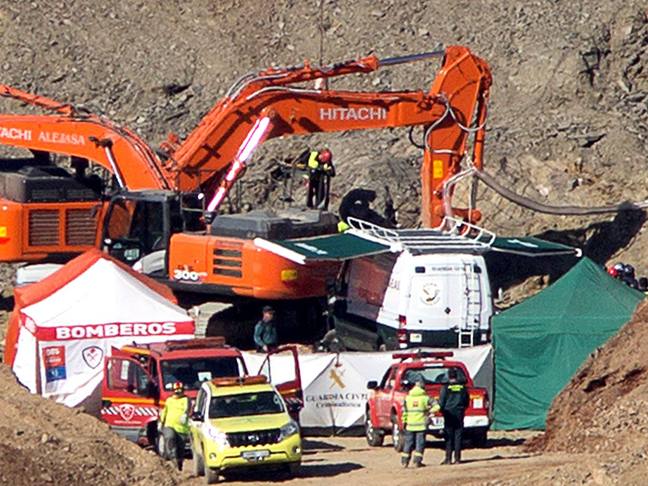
(384, 407)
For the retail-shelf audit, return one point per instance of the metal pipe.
(390, 61)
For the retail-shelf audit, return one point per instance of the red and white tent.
(62, 327)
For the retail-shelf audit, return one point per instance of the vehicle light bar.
(241, 380)
(209, 342)
(423, 354)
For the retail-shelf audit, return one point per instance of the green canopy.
(341, 246)
(531, 246)
(344, 246)
(540, 343)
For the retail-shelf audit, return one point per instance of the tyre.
(212, 475)
(479, 438)
(161, 448)
(398, 438)
(375, 437)
(292, 469)
(198, 468)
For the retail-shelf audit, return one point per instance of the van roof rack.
(451, 235)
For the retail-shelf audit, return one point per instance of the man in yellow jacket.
(416, 407)
(174, 424)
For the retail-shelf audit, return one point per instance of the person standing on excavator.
(320, 171)
(174, 424)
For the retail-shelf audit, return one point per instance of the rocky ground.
(568, 125)
(568, 113)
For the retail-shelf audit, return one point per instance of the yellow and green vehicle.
(243, 423)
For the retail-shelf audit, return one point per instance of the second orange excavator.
(161, 214)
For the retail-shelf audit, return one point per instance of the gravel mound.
(42, 442)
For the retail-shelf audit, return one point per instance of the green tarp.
(531, 246)
(540, 343)
(344, 246)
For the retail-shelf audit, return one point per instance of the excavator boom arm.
(85, 135)
(457, 99)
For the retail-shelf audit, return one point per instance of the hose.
(558, 210)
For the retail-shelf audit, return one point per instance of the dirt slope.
(604, 407)
(42, 442)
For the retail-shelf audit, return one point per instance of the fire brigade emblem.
(126, 411)
(430, 293)
(92, 356)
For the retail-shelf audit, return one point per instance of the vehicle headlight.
(291, 428)
(219, 437)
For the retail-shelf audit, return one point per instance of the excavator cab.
(138, 224)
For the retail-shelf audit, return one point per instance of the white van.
(434, 291)
(421, 296)
(410, 287)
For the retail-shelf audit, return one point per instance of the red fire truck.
(384, 407)
(139, 378)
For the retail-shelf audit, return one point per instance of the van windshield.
(433, 376)
(192, 372)
(244, 404)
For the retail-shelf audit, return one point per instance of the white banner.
(335, 385)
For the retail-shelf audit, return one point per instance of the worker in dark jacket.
(453, 402)
(265, 331)
(416, 406)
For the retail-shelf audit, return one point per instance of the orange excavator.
(162, 213)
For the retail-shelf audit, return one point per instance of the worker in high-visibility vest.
(174, 424)
(416, 407)
(320, 170)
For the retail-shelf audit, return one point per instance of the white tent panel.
(104, 293)
(335, 385)
(25, 363)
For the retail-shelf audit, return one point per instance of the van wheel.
(398, 438)
(212, 475)
(375, 437)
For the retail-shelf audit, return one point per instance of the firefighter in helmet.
(174, 424)
(320, 170)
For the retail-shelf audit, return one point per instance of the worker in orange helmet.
(174, 424)
(320, 170)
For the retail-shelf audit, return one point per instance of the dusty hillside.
(568, 116)
(45, 443)
(603, 408)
